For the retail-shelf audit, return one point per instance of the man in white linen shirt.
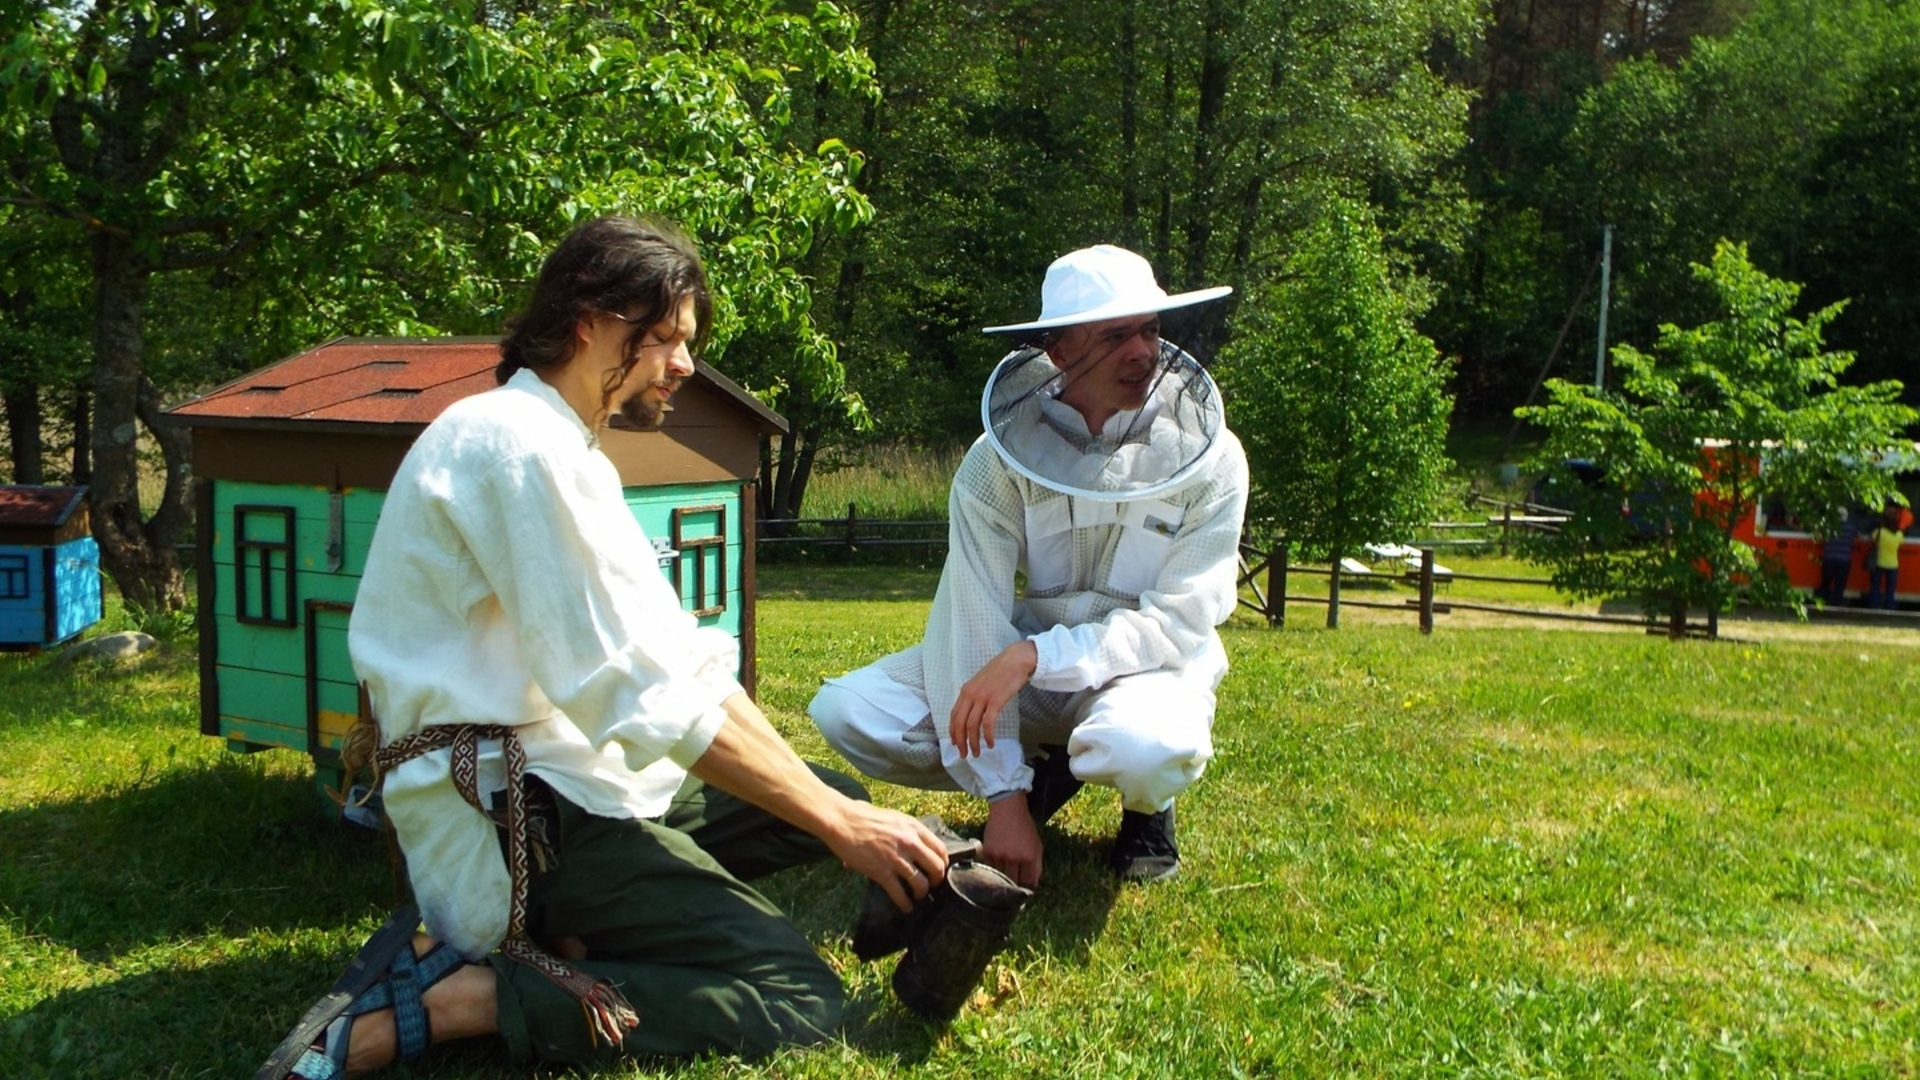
(1107, 477)
(541, 692)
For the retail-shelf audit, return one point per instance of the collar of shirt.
(526, 380)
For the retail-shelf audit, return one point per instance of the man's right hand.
(977, 706)
(1011, 841)
(895, 851)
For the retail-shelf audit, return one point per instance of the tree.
(1862, 218)
(1339, 401)
(1743, 409)
(1197, 132)
(1737, 141)
(43, 345)
(1533, 246)
(393, 166)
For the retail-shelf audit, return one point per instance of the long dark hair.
(642, 268)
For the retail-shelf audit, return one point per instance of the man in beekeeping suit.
(1107, 478)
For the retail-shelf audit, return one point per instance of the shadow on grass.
(222, 848)
(45, 690)
(874, 583)
(219, 1019)
(1067, 917)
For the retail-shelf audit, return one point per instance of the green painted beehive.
(292, 463)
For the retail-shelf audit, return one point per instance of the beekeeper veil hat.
(1172, 423)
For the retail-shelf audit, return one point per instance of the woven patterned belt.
(609, 1015)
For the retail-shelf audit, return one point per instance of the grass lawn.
(1492, 852)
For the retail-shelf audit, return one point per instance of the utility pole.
(1606, 275)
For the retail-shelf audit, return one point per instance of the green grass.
(1484, 853)
(893, 482)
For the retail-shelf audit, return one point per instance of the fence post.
(851, 516)
(1277, 586)
(1506, 526)
(1426, 590)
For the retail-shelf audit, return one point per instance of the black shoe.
(1144, 849)
(1053, 784)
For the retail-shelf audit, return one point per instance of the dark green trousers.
(662, 905)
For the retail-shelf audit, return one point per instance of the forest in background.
(194, 190)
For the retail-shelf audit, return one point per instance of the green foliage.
(1742, 409)
(1339, 401)
(1695, 120)
(1729, 143)
(250, 178)
(44, 333)
(1198, 133)
(1862, 207)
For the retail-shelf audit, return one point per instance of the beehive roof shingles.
(401, 384)
(356, 380)
(27, 506)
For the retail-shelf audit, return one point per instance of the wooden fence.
(853, 532)
(1265, 575)
(850, 533)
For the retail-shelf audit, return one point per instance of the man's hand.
(1011, 841)
(979, 702)
(748, 758)
(895, 851)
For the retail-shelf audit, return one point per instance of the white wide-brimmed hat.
(1102, 282)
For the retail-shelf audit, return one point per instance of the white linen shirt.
(508, 583)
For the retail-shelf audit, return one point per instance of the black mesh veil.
(1139, 452)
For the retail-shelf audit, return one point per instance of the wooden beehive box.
(49, 566)
(292, 463)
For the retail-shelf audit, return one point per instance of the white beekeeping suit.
(1125, 540)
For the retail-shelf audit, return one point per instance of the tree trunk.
(1129, 127)
(138, 553)
(1216, 65)
(1162, 254)
(773, 483)
(20, 396)
(763, 491)
(802, 474)
(23, 434)
(82, 471)
(1251, 194)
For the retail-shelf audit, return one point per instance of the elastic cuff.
(1045, 654)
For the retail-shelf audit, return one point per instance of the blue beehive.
(49, 566)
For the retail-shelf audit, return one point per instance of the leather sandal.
(384, 974)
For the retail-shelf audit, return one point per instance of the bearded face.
(641, 414)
